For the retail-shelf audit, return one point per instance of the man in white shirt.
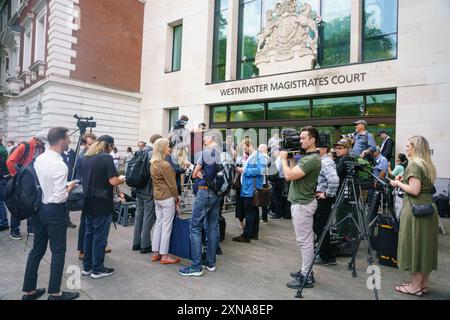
(51, 219)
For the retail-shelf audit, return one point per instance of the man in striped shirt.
(327, 186)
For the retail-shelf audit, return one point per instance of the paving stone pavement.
(257, 271)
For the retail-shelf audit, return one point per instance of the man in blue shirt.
(364, 141)
(206, 206)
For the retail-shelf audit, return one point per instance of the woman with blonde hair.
(418, 236)
(166, 201)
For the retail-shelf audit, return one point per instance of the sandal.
(424, 289)
(402, 289)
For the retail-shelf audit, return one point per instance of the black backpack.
(223, 179)
(23, 193)
(138, 170)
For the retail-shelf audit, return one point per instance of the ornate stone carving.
(289, 40)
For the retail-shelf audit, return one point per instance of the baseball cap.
(42, 135)
(364, 122)
(106, 138)
(342, 143)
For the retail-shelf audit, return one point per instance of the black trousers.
(240, 211)
(282, 208)
(320, 220)
(50, 225)
(81, 232)
(251, 228)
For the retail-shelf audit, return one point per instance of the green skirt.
(417, 241)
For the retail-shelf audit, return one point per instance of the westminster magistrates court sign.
(296, 84)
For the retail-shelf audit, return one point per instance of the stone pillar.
(232, 39)
(356, 33)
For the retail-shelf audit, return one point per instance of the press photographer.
(303, 177)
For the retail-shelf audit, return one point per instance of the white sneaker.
(86, 273)
(105, 273)
(210, 268)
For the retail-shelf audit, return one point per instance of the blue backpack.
(23, 193)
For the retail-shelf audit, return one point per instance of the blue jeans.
(95, 241)
(206, 206)
(51, 225)
(15, 224)
(3, 215)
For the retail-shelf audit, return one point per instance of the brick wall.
(109, 44)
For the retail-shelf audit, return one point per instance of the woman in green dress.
(418, 236)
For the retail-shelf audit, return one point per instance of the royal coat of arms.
(289, 40)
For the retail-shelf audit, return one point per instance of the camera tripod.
(350, 191)
(82, 124)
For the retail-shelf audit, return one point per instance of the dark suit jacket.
(388, 149)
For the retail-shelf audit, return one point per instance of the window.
(334, 32)
(380, 104)
(220, 40)
(380, 30)
(247, 112)
(249, 27)
(173, 116)
(176, 47)
(39, 54)
(289, 110)
(338, 107)
(219, 114)
(328, 113)
(27, 48)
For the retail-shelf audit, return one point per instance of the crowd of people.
(303, 186)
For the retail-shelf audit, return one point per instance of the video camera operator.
(180, 139)
(303, 179)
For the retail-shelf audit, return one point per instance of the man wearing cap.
(327, 187)
(20, 157)
(387, 147)
(364, 141)
(99, 176)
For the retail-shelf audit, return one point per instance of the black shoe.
(241, 238)
(321, 262)
(297, 282)
(71, 226)
(4, 228)
(295, 274)
(146, 250)
(106, 272)
(137, 247)
(15, 235)
(219, 251)
(34, 296)
(65, 296)
(332, 262)
(255, 237)
(274, 217)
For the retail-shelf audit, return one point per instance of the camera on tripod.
(85, 122)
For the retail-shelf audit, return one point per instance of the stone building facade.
(66, 57)
(386, 61)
